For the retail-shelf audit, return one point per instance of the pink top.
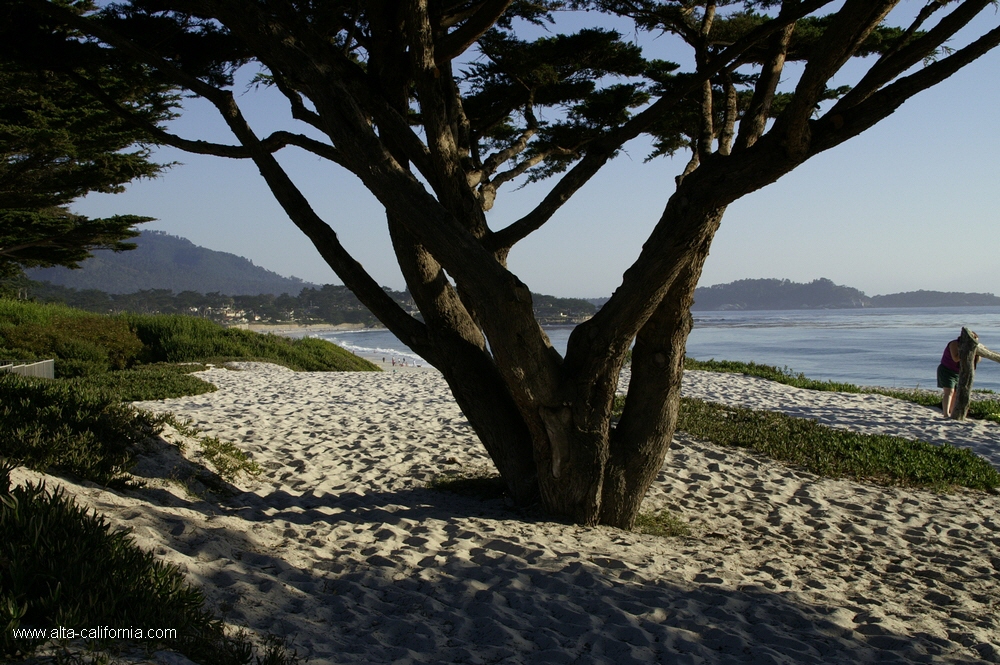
(947, 361)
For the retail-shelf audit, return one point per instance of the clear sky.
(908, 205)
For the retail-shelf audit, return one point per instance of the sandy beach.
(300, 329)
(340, 547)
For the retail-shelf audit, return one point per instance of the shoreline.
(387, 362)
(294, 328)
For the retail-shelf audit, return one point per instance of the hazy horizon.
(308, 283)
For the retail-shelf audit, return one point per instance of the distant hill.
(778, 294)
(163, 261)
(168, 274)
(753, 294)
(551, 310)
(935, 299)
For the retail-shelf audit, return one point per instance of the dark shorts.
(947, 378)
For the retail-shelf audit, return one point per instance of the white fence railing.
(45, 369)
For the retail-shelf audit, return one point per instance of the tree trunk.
(586, 472)
(573, 448)
(640, 442)
(486, 402)
(461, 356)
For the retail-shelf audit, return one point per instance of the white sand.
(339, 547)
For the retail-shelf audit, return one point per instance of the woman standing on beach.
(947, 376)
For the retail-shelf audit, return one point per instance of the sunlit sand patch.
(339, 545)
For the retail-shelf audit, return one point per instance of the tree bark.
(640, 442)
(485, 400)
(586, 471)
(461, 356)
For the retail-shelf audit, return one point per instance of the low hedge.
(85, 344)
(58, 426)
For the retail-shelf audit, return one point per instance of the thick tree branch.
(434, 96)
(707, 134)
(640, 441)
(435, 117)
(891, 66)
(754, 120)
(462, 126)
(393, 127)
(729, 118)
(691, 165)
(458, 41)
(836, 126)
(839, 42)
(410, 331)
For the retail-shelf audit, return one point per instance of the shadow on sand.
(432, 580)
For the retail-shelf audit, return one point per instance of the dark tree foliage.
(58, 143)
(56, 237)
(436, 104)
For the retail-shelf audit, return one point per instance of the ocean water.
(892, 347)
(897, 347)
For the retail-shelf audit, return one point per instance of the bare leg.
(948, 402)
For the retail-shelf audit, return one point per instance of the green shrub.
(228, 460)
(71, 368)
(66, 567)
(55, 425)
(21, 312)
(147, 382)
(86, 344)
(833, 452)
(781, 375)
(81, 344)
(661, 524)
(985, 410)
(478, 482)
(177, 339)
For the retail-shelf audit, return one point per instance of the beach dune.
(340, 547)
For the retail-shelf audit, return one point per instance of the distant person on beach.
(947, 376)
